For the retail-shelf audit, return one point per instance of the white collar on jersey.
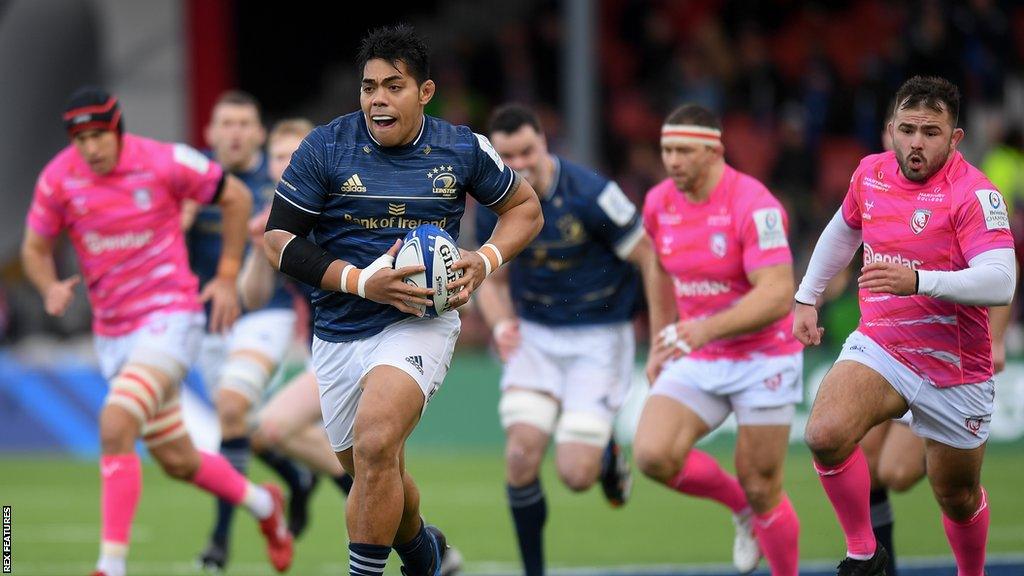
(416, 141)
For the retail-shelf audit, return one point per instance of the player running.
(119, 197)
(937, 250)
(290, 421)
(358, 185)
(237, 367)
(721, 235)
(561, 318)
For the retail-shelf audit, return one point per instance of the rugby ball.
(430, 246)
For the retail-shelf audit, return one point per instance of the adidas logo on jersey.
(416, 361)
(353, 184)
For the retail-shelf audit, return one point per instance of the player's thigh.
(901, 462)
(292, 409)
(851, 400)
(388, 411)
(667, 430)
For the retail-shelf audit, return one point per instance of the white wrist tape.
(344, 277)
(501, 327)
(669, 336)
(489, 262)
(383, 261)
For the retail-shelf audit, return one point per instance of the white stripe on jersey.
(294, 204)
(507, 188)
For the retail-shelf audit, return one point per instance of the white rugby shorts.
(958, 416)
(761, 391)
(269, 332)
(165, 339)
(588, 369)
(420, 347)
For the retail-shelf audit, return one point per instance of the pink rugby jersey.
(709, 248)
(125, 227)
(939, 224)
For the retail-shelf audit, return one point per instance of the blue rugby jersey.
(204, 240)
(570, 273)
(366, 196)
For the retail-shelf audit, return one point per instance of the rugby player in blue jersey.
(237, 367)
(352, 191)
(561, 316)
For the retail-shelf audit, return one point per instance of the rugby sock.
(236, 451)
(702, 476)
(881, 525)
(529, 513)
(778, 534)
(344, 482)
(121, 486)
(848, 485)
(417, 554)
(367, 559)
(297, 478)
(215, 475)
(967, 539)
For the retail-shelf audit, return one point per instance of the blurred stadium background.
(802, 88)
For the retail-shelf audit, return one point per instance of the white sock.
(113, 558)
(258, 500)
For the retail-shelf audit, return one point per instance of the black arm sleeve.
(300, 258)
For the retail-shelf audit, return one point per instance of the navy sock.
(297, 478)
(529, 512)
(418, 554)
(236, 451)
(881, 525)
(344, 482)
(367, 559)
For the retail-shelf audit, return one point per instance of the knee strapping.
(583, 428)
(137, 391)
(526, 407)
(168, 424)
(245, 376)
(159, 360)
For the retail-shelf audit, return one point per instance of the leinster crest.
(920, 219)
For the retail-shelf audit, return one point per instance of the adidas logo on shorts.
(353, 184)
(416, 361)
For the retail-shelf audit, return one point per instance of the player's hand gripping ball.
(430, 246)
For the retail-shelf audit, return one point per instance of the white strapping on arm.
(989, 280)
(836, 246)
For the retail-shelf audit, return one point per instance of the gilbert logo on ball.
(432, 247)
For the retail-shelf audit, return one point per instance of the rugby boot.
(275, 530)
(616, 476)
(874, 566)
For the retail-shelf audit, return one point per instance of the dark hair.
(240, 98)
(511, 117)
(933, 92)
(695, 115)
(394, 44)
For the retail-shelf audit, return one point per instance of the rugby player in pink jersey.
(119, 196)
(721, 236)
(937, 251)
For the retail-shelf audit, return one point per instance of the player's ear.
(427, 92)
(208, 134)
(958, 135)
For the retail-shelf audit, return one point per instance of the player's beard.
(928, 167)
